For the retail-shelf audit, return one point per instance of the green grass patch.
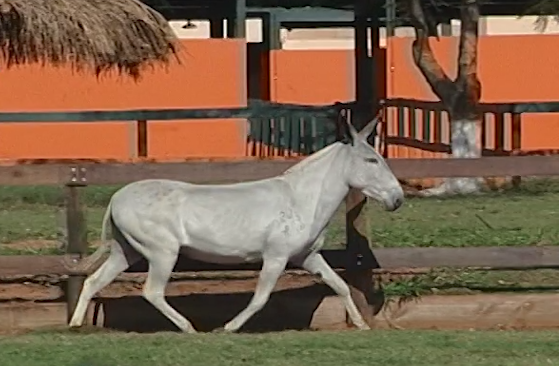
(524, 216)
(470, 281)
(517, 217)
(394, 348)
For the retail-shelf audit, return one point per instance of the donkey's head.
(367, 170)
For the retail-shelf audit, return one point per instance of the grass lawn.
(526, 216)
(386, 348)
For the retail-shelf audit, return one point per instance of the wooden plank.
(142, 139)
(385, 258)
(35, 174)
(491, 166)
(516, 127)
(428, 257)
(77, 244)
(196, 172)
(259, 169)
(247, 170)
(31, 265)
(494, 257)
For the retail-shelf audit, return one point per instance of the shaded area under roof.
(448, 9)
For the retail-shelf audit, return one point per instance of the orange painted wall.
(316, 76)
(212, 74)
(511, 69)
(202, 80)
(311, 76)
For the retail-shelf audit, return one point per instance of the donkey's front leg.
(272, 268)
(316, 264)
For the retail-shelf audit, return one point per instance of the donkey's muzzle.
(395, 201)
(395, 204)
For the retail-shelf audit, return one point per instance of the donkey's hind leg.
(161, 264)
(117, 262)
(272, 268)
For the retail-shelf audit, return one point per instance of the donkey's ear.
(368, 129)
(371, 126)
(353, 134)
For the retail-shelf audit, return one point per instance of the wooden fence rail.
(236, 171)
(278, 129)
(501, 257)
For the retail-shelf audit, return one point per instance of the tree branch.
(423, 55)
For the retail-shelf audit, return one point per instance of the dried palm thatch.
(98, 35)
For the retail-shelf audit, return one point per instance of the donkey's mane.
(317, 156)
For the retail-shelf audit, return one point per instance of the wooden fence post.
(364, 287)
(142, 138)
(516, 127)
(359, 275)
(77, 236)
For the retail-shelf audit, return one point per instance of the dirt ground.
(299, 302)
(39, 244)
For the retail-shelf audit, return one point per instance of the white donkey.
(275, 221)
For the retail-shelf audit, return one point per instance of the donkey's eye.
(371, 160)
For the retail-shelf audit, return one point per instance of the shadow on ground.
(290, 309)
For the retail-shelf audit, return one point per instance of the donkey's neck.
(320, 186)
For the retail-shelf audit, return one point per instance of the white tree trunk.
(465, 143)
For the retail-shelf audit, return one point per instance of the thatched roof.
(97, 35)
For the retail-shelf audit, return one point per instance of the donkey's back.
(215, 223)
(149, 196)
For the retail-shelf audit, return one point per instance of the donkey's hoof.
(77, 328)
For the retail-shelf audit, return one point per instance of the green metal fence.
(277, 129)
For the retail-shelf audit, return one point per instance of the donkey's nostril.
(397, 203)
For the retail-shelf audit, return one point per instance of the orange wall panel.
(197, 138)
(65, 141)
(311, 76)
(404, 78)
(213, 75)
(202, 80)
(519, 68)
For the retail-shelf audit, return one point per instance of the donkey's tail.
(93, 260)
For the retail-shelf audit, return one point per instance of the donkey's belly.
(221, 258)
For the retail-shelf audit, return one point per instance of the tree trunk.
(465, 143)
(461, 96)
